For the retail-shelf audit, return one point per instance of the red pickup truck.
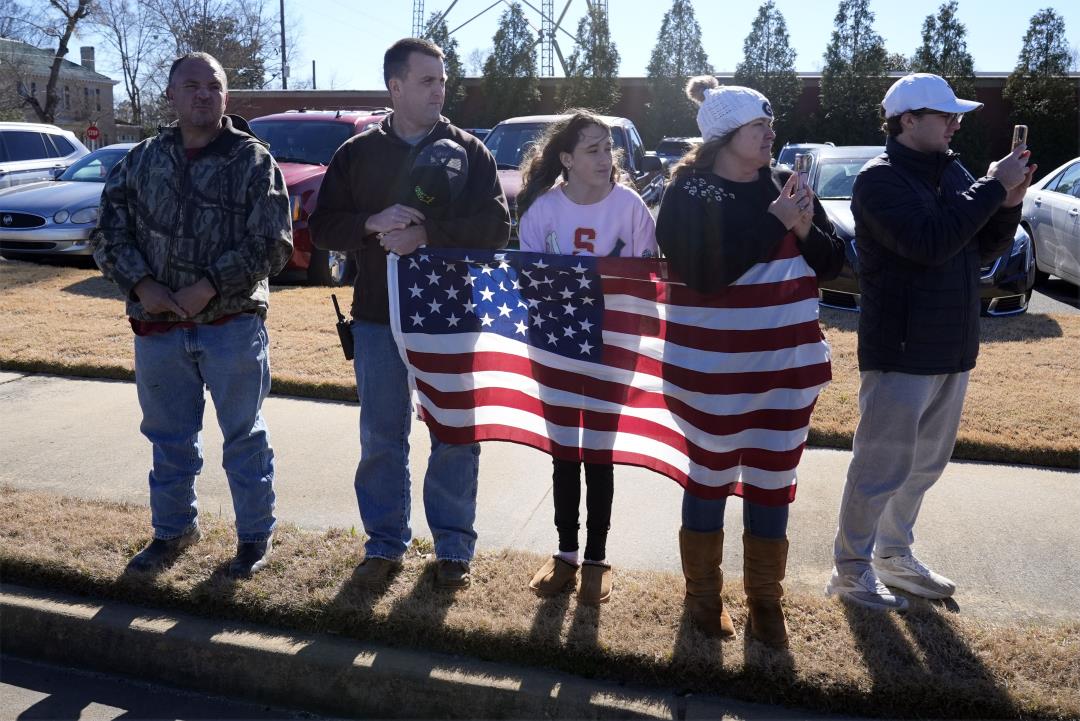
(302, 142)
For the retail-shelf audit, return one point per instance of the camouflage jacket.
(223, 215)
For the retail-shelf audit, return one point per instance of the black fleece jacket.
(369, 173)
(923, 228)
(713, 230)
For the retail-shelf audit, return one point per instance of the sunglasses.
(950, 118)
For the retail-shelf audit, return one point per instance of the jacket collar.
(928, 166)
(439, 130)
(234, 130)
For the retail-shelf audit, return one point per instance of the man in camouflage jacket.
(192, 223)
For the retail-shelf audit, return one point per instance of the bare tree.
(126, 27)
(19, 22)
(59, 23)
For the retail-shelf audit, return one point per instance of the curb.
(322, 673)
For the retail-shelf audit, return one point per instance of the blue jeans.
(707, 515)
(232, 360)
(382, 477)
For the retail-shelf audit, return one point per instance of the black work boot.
(250, 558)
(161, 553)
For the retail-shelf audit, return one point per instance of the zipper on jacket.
(177, 226)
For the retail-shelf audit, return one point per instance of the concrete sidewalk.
(1007, 534)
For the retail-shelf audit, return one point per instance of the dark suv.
(302, 142)
(509, 140)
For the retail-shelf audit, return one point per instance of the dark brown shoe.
(161, 553)
(702, 554)
(375, 572)
(452, 575)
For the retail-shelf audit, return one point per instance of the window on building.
(97, 96)
(67, 98)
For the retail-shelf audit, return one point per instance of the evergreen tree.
(437, 32)
(944, 52)
(897, 62)
(592, 79)
(768, 66)
(1042, 95)
(854, 78)
(510, 83)
(677, 56)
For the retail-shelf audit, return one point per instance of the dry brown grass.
(1021, 406)
(926, 663)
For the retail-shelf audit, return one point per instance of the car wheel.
(1040, 276)
(330, 267)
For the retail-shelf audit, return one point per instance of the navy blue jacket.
(923, 228)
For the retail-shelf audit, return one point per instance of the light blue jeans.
(171, 369)
(382, 478)
(706, 515)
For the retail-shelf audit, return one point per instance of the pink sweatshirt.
(620, 224)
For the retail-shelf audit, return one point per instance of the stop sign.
(92, 133)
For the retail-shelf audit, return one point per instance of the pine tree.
(510, 83)
(854, 78)
(592, 79)
(944, 52)
(677, 55)
(437, 32)
(768, 66)
(1042, 95)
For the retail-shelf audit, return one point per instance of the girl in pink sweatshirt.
(572, 203)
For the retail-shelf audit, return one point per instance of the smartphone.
(802, 168)
(1020, 135)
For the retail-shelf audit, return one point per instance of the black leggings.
(599, 490)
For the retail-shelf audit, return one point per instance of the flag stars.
(566, 293)
(487, 270)
(434, 305)
(583, 283)
(586, 349)
(504, 310)
(487, 294)
(569, 309)
(469, 279)
(415, 290)
(579, 268)
(585, 326)
(486, 320)
(568, 332)
(520, 327)
(452, 320)
(417, 319)
(451, 293)
(470, 307)
(413, 264)
(433, 278)
(551, 339)
(538, 319)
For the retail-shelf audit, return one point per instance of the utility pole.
(284, 61)
(418, 18)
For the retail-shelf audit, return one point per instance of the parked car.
(35, 151)
(478, 133)
(1052, 218)
(671, 150)
(1005, 283)
(513, 137)
(55, 217)
(303, 142)
(787, 154)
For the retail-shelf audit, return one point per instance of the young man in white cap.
(923, 228)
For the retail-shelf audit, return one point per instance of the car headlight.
(86, 215)
(61, 216)
(1020, 241)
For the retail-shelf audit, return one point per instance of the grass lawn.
(928, 662)
(1022, 403)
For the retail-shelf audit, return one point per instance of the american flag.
(607, 360)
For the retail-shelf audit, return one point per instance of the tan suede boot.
(764, 566)
(701, 556)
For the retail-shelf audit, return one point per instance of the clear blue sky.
(347, 38)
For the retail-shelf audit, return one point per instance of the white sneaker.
(865, 590)
(912, 575)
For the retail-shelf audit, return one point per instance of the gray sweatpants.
(907, 429)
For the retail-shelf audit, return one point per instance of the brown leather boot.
(764, 565)
(701, 556)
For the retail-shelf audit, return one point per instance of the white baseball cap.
(728, 108)
(924, 90)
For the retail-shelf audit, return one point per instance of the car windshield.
(307, 141)
(510, 141)
(95, 167)
(787, 155)
(835, 176)
(673, 147)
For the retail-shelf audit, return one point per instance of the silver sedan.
(1052, 218)
(55, 217)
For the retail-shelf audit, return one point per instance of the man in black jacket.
(923, 228)
(363, 208)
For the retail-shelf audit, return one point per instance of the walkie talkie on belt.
(344, 330)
